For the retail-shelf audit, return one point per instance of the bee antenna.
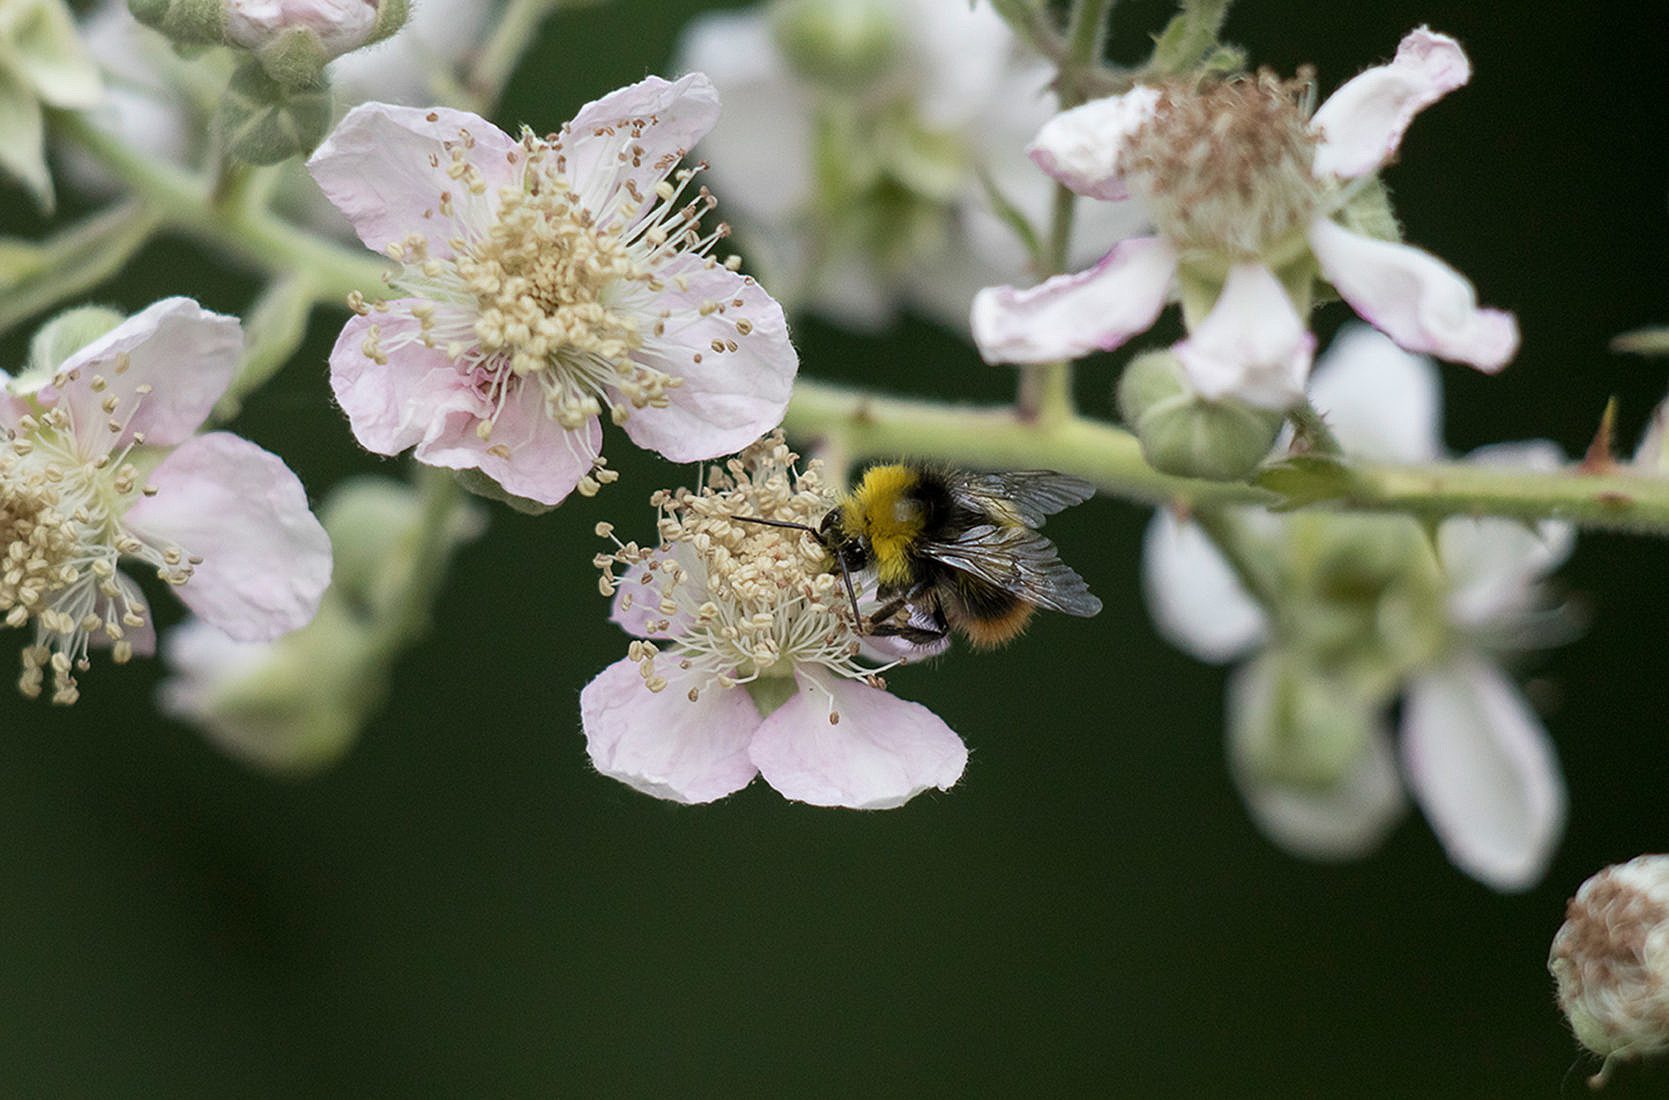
(840, 558)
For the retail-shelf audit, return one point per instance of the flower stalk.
(865, 425)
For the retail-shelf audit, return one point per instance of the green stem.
(1226, 533)
(871, 426)
(248, 232)
(1045, 389)
(438, 538)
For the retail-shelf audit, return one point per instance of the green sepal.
(262, 121)
(770, 691)
(483, 486)
(61, 338)
(1303, 480)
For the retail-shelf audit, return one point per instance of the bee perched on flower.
(542, 282)
(749, 658)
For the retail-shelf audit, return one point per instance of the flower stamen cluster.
(741, 600)
(1227, 169)
(61, 503)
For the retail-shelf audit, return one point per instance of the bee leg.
(880, 627)
(878, 621)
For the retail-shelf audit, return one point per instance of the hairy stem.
(868, 425)
(247, 231)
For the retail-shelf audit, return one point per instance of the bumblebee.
(956, 550)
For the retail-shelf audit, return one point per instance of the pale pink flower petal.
(182, 355)
(661, 743)
(632, 138)
(1482, 767)
(1069, 316)
(266, 560)
(1413, 297)
(1362, 123)
(385, 168)
(1383, 403)
(528, 454)
(883, 751)
(1252, 346)
(727, 398)
(1195, 599)
(1343, 821)
(406, 400)
(1083, 147)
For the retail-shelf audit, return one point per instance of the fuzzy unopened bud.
(292, 35)
(843, 42)
(1182, 433)
(1611, 962)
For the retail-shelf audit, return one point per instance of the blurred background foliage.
(464, 907)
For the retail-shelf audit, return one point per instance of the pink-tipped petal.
(1481, 766)
(1252, 346)
(882, 752)
(635, 136)
(266, 560)
(528, 454)
(1343, 820)
(165, 367)
(727, 398)
(408, 399)
(386, 167)
(1070, 316)
(1195, 599)
(1383, 403)
(1361, 124)
(662, 743)
(1083, 147)
(1414, 298)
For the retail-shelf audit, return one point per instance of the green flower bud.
(291, 706)
(61, 337)
(1306, 729)
(264, 121)
(845, 43)
(375, 524)
(1182, 433)
(1368, 596)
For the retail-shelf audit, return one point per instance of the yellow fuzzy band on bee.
(881, 510)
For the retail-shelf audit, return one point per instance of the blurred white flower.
(852, 148)
(1364, 614)
(43, 63)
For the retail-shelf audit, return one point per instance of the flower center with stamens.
(61, 508)
(739, 600)
(542, 288)
(1227, 168)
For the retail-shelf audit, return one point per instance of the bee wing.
(1021, 561)
(1030, 494)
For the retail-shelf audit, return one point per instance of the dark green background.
(465, 907)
